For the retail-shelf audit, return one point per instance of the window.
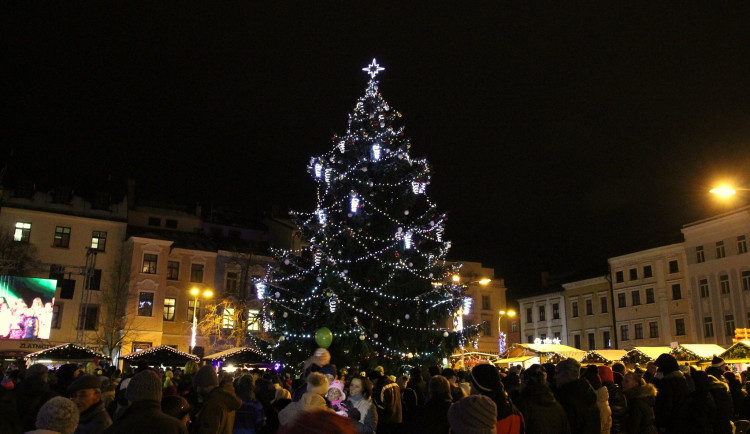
(170, 223)
(653, 329)
(528, 316)
(557, 335)
(708, 327)
(556, 311)
(676, 292)
(233, 279)
(700, 255)
(99, 240)
(530, 339)
(196, 273)
(486, 325)
(746, 280)
(679, 327)
(173, 270)
(724, 284)
(574, 309)
(514, 326)
(647, 272)
(57, 311)
(624, 333)
(703, 288)
(619, 277)
(633, 273)
(140, 346)
(741, 244)
(87, 317)
(169, 308)
(639, 331)
(62, 237)
(603, 304)
(542, 316)
(636, 296)
(729, 325)
(485, 301)
(23, 232)
(149, 263)
(253, 320)
(607, 340)
(720, 252)
(577, 341)
(621, 300)
(145, 304)
(650, 295)
(673, 267)
(227, 318)
(589, 307)
(95, 283)
(592, 341)
(154, 221)
(193, 307)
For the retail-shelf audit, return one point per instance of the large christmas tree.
(373, 270)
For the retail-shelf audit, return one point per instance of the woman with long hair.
(485, 380)
(360, 394)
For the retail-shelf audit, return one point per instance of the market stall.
(737, 355)
(524, 361)
(162, 355)
(65, 353)
(247, 357)
(552, 353)
(643, 355)
(471, 359)
(699, 354)
(603, 357)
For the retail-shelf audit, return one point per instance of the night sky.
(558, 137)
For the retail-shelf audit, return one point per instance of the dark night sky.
(558, 136)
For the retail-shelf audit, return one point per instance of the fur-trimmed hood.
(640, 392)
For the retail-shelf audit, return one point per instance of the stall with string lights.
(552, 353)
(162, 355)
(738, 354)
(699, 354)
(241, 357)
(65, 353)
(602, 357)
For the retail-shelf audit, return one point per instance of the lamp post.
(500, 335)
(195, 292)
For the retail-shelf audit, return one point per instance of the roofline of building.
(745, 208)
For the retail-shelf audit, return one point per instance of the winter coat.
(722, 420)
(146, 417)
(11, 423)
(619, 408)
(701, 410)
(217, 414)
(310, 401)
(387, 399)
(579, 401)
(368, 414)
(640, 406)
(248, 418)
(542, 413)
(670, 406)
(431, 418)
(94, 420)
(31, 394)
(605, 414)
(738, 395)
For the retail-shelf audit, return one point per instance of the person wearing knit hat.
(144, 415)
(310, 401)
(485, 380)
(541, 412)
(58, 415)
(329, 371)
(475, 414)
(617, 401)
(671, 403)
(317, 383)
(666, 363)
(577, 397)
(335, 394)
(31, 394)
(86, 393)
(220, 402)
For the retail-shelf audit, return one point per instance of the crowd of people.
(664, 397)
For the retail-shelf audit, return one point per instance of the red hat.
(606, 374)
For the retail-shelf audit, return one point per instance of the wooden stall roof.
(562, 351)
(162, 354)
(699, 352)
(603, 356)
(512, 360)
(737, 353)
(650, 352)
(239, 355)
(66, 352)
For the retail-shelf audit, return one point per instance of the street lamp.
(195, 292)
(500, 335)
(464, 308)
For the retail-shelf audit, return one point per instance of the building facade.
(543, 317)
(589, 314)
(718, 264)
(651, 299)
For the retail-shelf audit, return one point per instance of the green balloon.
(323, 337)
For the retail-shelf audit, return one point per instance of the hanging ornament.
(286, 314)
(445, 334)
(417, 187)
(321, 216)
(354, 202)
(333, 303)
(376, 152)
(342, 146)
(260, 290)
(407, 316)
(282, 338)
(328, 174)
(406, 212)
(375, 335)
(317, 257)
(407, 240)
(467, 305)
(318, 170)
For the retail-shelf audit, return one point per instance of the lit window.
(99, 240)
(227, 318)
(149, 263)
(145, 304)
(23, 232)
(253, 320)
(62, 237)
(169, 308)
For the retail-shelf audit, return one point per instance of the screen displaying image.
(26, 307)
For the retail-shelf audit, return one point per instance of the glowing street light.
(500, 335)
(723, 191)
(195, 292)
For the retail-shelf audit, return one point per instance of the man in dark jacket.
(577, 397)
(670, 407)
(387, 399)
(144, 415)
(31, 394)
(86, 392)
(541, 412)
(722, 418)
(219, 405)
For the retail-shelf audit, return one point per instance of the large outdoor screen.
(26, 307)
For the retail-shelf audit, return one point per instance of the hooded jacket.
(605, 414)
(670, 406)
(217, 414)
(640, 406)
(579, 401)
(146, 417)
(722, 420)
(618, 405)
(542, 413)
(94, 420)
